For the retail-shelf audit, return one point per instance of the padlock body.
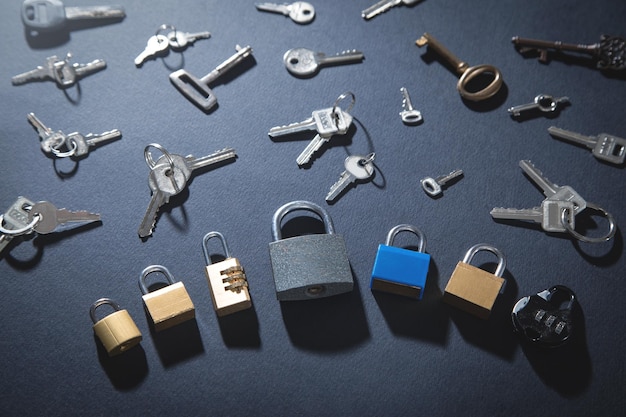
(310, 266)
(400, 271)
(117, 332)
(473, 290)
(229, 287)
(169, 306)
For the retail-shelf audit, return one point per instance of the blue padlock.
(398, 270)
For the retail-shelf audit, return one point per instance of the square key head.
(610, 148)
(400, 271)
(194, 89)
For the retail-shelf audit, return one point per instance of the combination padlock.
(546, 317)
(472, 289)
(398, 270)
(227, 280)
(167, 306)
(117, 331)
(309, 266)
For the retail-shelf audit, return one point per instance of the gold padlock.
(227, 280)
(472, 289)
(117, 331)
(167, 306)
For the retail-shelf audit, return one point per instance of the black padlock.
(546, 318)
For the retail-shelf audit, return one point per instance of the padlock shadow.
(241, 329)
(127, 370)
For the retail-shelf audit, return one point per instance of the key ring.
(470, 73)
(336, 105)
(70, 152)
(24, 230)
(369, 158)
(148, 156)
(166, 26)
(582, 238)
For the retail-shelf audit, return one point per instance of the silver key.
(604, 146)
(299, 11)
(180, 40)
(79, 145)
(543, 102)
(548, 215)
(384, 5)
(433, 186)
(15, 221)
(409, 114)
(50, 218)
(303, 61)
(48, 138)
(59, 71)
(157, 45)
(342, 122)
(357, 168)
(324, 121)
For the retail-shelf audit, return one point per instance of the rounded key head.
(431, 186)
(300, 61)
(43, 15)
(358, 167)
(157, 43)
(48, 216)
(169, 178)
(302, 12)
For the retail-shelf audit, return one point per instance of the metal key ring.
(67, 154)
(166, 26)
(369, 158)
(24, 230)
(472, 72)
(336, 105)
(148, 156)
(574, 233)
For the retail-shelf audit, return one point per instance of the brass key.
(466, 72)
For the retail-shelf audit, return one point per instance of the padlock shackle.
(300, 205)
(421, 246)
(547, 294)
(485, 247)
(150, 269)
(98, 303)
(205, 249)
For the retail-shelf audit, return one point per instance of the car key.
(50, 218)
(384, 5)
(357, 168)
(604, 146)
(304, 62)
(299, 11)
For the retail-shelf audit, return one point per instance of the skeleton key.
(433, 186)
(59, 71)
(14, 222)
(304, 62)
(357, 168)
(409, 114)
(50, 218)
(384, 5)
(604, 146)
(299, 11)
(543, 102)
(79, 145)
(610, 51)
(181, 40)
(466, 73)
(158, 45)
(49, 140)
(549, 215)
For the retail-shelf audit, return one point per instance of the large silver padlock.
(309, 266)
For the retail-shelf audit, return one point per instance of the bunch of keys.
(60, 71)
(159, 44)
(73, 145)
(328, 123)
(558, 210)
(25, 217)
(304, 62)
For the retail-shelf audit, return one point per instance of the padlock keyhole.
(316, 290)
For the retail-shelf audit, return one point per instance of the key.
(41, 16)
(14, 222)
(303, 61)
(409, 114)
(48, 139)
(299, 11)
(80, 145)
(50, 218)
(356, 168)
(342, 122)
(188, 164)
(548, 215)
(466, 73)
(543, 102)
(434, 186)
(158, 45)
(324, 121)
(384, 5)
(59, 71)
(181, 40)
(197, 89)
(610, 52)
(604, 146)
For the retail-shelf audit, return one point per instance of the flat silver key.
(604, 146)
(384, 5)
(299, 11)
(158, 45)
(434, 186)
(181, 40)
(49, 139)
(164, 183)
(342, 122)
(548, 215)
(51, 217)
(187, 165)
(80, 145)
(324, 121)
(542, 102)
(60, 71)
(357, 168)
(409, 114)
(303, 61)
(15, 220)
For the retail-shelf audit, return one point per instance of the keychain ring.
(336, 105)
(472, 72)
(70, 152)
(147, 155)
(24, 230)
(582, 238)
(166, 26)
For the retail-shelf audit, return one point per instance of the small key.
(41, 16)
(158, 45)
(434, 186)
(356, 168)
(548, 215)
(51, 217)
(80, 145)
(302, 61)
(342, 122)
(384, 5)
(543, 102)
(604, 146)
(409, 114)
(15, 220)
(59, 71)
(181, 40)
(299, 11)
(610, 52)
(49, 139)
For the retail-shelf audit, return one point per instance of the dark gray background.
(355, 354)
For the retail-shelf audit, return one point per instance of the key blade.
(94, 12)
(308, 124)
(89, 68)
(95, 140)
(549, 188)
(216, 157)
(337, 188)
(38, 74)
(532, 215)
(65, 216)
(149, 219)
(313, 146)
(379, 8)
(273, 8)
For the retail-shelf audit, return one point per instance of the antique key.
(357, 168)
(466, 72)
(299, 11)
(60, 71)
(610, 52)
(604, 146)
(384, 5)
(409, 114)
(434, 186)
(181, 40)
(543, 102)
(158, 45)
(305, 62)
(48, 138)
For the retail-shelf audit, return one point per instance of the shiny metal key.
(409, 114)
(15, 221)
(59, 71)
(342, 121)
(180, 40)
(549, 215)
(357, 168)
(299, 11)
(434, 186)
(384, 5)
(80, 145)
(51, 217)
(303, 61)
(158, 45)
(604, 146)
(324, 121)
(542, 102)
(49, 139)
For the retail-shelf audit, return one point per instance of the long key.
(434, 186)
(49, 139)
(164, 183)
(60, 71)
(604, 146)
(409, 114)
(81, 144)
(543, 102)
(384, 5)
(303, 61)
(187, 165)
(342, 122)
(157, 45)
(610, 51)
(42, 16)
(323, 121)
(15, 218)
(181, 40)
(299, 11)
(356, 168)
(548, 215)
(51, 217)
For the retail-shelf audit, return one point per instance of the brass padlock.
(117, 331)
(167, 306)
(472, 289)
(227, 280)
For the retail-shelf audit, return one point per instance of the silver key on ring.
(157, 45)
(543, 102)
(384, 5)
(299, 11)
(604, 146)
(48, 138)
(548, 215)
(60, 71)
(433, 186)
(181, 40)
(409, 114)
(50, 218)
(357, 168)
(80, 145)
(303, 61)
(342, 121)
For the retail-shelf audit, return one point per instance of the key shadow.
(59, 171)
(62, 35)
(125, 371)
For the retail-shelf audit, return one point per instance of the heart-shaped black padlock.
(546, 317)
